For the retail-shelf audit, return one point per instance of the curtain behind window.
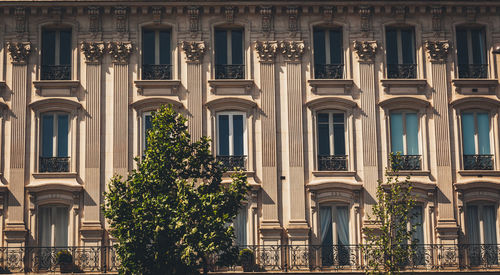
(468, 134)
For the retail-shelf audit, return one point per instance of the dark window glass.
(237, 46)
(48, 47)
(47, 135)
(338, 134)
(65, 47)
(220, 47)
(62, 135)
(392, 46)
(164, 47)
(407, 45)
(319, 46)
(223, 135)
(462, 47)
(148, 47)
(238, 135)
(323, 135)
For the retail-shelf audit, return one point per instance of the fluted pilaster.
(120, 118)
(195, 50)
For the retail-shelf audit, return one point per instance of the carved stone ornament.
(121, 19)
(328, 13)
(93, 51)
(20, 14)
(120, 51)
(437, 13)
(229, 11)
(194, 19)
(266, 13)
(94, 20)
(194, 50)
(471, 14)
(366, 50)
(292, 50)
(438, 50)
(364, 13)
(19, 51)
(157, 15)
(400, 13)
(293, 22)
(266, 50)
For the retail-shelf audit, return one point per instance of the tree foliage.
(389, 242)
(171, 214)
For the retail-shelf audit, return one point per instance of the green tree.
(389, 245)
(171, 215)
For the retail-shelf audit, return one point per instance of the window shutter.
(238, 135)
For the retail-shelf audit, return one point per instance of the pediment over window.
(152, 103)
(56, 104)
(404, 102)
(479, 102)
(234, 103)
(322, 103)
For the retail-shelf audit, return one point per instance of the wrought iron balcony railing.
(478, 162)
(54, 164)
(56, 72)
(473, 70)
(225, 71)
(157, 72)
(405, 71)
(232, 163)
(332, 163)
(329, 71)
(406, 162)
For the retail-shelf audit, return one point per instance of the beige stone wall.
(279, 96)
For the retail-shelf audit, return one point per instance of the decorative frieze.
(400, 13)
(93, 51)
(156, 11)
(19, 52)
(194, 50)
(365, 50)
(94, 19)
(364, 13)
(292, 50)
(229, 12)
(121, 19)
(328, 13)
(471, 14)
(293, 22)
(437, 13)
(20, 14)
(194, 19)
(266, 50)
(266, 12)
(120, 51)
(438, 50)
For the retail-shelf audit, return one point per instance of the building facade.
(310, 98)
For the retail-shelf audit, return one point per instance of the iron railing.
(404, 71)
(473, 70)
(225, 71)
(406, 162)
(54, 164)
(332, 163)
(478, 162)
(156, 72)
(232, 163)
(328, 71)
(56, 72)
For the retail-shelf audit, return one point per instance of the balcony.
(402, 71)
(329, 71)
(54, 164)
(56, 72)
(233, 163)
(332, 163)
(406, 162)
(473, 70)
(157, 72)
(225, 71)
(478, 162)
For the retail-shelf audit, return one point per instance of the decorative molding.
(229, 11)
(438, 50)
(156, 14)
(194, 19)
(328, 13)
(20, 14)
(292, 50)
(120, 51)
(120, 19)
(194, 50)
(400, 13)
(94, 19)
(365, 50)
(19, 51)
(266, 13)
(437, 13)
(93, 51)
(266, 50)
(471, 14)
(364, 13)
(293, 22)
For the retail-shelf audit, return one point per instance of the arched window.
(156, 54)
(56, 53)
(53, 222)
(54, 142)
(404, 135)
(231, 139)
(481, 231)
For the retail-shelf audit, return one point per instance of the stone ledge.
(231, 86)
(475, 86)
(157, 87)
(404, 86)
(56, 87)
(331, 86)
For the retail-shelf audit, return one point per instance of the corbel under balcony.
(56, 87)
(331, 86)
(231, 86)
(404, 86)
(475, 86)
(157, 87)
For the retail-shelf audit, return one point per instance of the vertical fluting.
(120, 118)
(195, 99)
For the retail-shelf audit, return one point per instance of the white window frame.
(330, 130)
(52, 223)
(419, 132)
(230, 114)
(476, 130)
(55, 141)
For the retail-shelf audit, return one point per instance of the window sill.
(475, 85)
(231, 86)
(410, 173)
(55, 175)
(479, 172)
(56, 87)
(331, 86)
(334, 173)
(404, 86)
(157, 87)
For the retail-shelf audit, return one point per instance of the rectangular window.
(331, 141)
(400, 53)
(147, 125)
(56, 55)
(404, 128)
(328, 53)
(481, 234)
(471, 53)
(240, 227)
(54, 153)
(53, 226)
(476, 141)
(334, 222)
(229, 54)
(231, 140)
(156, 55)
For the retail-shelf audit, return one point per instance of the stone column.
(447, 228)
(91, 229)
(366, 52)
(297, 228)
(120, 53)
(195, 50)
(15, 228)
(270, 226)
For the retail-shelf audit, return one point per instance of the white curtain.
(44, 226)
(472, 223)
(343, 225)
(61, 226)
(325, 215)
(240, 225)
(489, 224)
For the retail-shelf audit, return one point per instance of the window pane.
(468, 134)
(417, 221)
(148, 47)
(338, 134)
(323, 135)
(45, 227)
(237, 46)
(462, 49)
(342, 225)
(238, 135)
(478, 50)
(397, 133)
(48, 47)
(412, 134)
(336, 47)
(319, 46)
(165, 47)
(240, 227)
(47, 135)
(61, 226)
(392, 46)
(223, 135)
(325, 215)
(147, 126)
(62, 135)
(408, 44)
(472, 223)
(220, 47)
(65, 46)
(483, 129)
(489, 220)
